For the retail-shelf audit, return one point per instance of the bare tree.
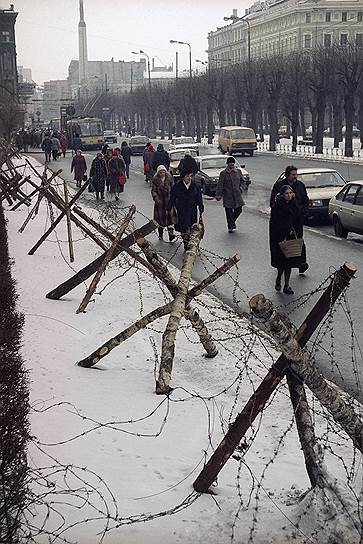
(274, 81)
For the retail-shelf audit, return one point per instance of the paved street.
(325, 253)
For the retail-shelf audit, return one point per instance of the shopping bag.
(293, 247)
(146, 168)
(122, 179)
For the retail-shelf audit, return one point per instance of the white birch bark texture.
(108, 257)
(275, 325)
(191, 315)
(177, 312)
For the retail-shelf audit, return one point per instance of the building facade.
(8, 71)
(281, 26)
(56, 93)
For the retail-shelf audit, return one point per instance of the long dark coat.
(98, 173)
(160, 157)
(186, 202)
(230, 187)
(116, 167)
(301, 195)
(284, 217)
(126, 154)
(79, 166)
(160, 191)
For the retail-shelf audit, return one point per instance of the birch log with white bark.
(177, 312)
(275, 325)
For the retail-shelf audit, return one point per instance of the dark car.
(137, 144)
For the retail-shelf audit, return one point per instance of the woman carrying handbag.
(286, 245)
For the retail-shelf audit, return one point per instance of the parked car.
(321, 185)
(210, 166)
(346, 209)
(137, 144)
(176, 155)
(183, 142)
(235, 140)
(110, 136)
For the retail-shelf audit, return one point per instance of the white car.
(183, 142)
(346, 209)
(110, 136)
(176, 155)
(210, 166)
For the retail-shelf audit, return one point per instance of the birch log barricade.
(92, 267)
(190, 314)
(275, 325)
(115, 341)
(260, 397)
(177, 312)
(91, 289)
(69, 224)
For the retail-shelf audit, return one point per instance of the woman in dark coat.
(79, 166)
(108, 156)
(162, 184)
(148, 158)
(98, 174)
(116, 168)
(126, 155)
(186, 196)
(286, 218)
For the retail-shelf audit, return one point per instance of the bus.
(88, 129)
(55, 124)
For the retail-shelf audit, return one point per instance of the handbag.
(146, 168)
(122, 179)
(293, 247)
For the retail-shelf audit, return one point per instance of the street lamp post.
(235, 19)
(190, 55)
(141, 52)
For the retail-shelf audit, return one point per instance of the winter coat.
(284, 217)
(55, 144)
(116, 167)
(126, 154)
(98, 173)
(301, 195)
(186, 201)
(79, 166)
(230, 186)
(63, 143)
(187, 165)
(160, 191)
(47, 144)
(161, 157)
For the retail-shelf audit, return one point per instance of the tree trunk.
(274, 135)
(349, 121)
(337, 122)
(360, 118)
(221, 113)
(321, 107)
(210, 125)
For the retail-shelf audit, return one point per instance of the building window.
(343, 39)
(307, 17)
(5, 36)
(328, 17)
(344, 16)
(327, 40)
(307, 41)
(360, 16)
(359, 40)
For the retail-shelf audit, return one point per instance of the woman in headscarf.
(79, 166)
(162, 184)
(98, 175)
(116, 168)
(286, 223)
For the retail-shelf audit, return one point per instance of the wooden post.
(92, 267)
(69, 225)
(260, 397)
(168, 343)
(115, 341)
(91, 289)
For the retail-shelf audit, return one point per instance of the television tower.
(82, 44)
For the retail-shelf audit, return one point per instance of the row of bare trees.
(323, 85)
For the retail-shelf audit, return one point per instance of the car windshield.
(90, 129)
(187, 140)
(181, 154)
(321, 179)
(138, 141)
(242, 133)
(215, 162)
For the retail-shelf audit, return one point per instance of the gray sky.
(47, 30)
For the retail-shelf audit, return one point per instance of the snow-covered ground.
(123, 459)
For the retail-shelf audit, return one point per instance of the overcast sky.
(47, 30)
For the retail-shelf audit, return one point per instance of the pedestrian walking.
(148, 157)
(161, 187)
(161, 157)
(55, 147)
(230, 187)
(19, 140)
(47, 147)
(63, 142)
(108, 156)
(186, 197)
(301, 197)
(286, 223)
(126, 155)
(98, 175)
(27, 140)
(104, 149)
(117, 168)
(79, 166)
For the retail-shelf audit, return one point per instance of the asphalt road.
(338, 358)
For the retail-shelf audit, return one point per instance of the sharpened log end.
(350, 267)
(260, 306)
